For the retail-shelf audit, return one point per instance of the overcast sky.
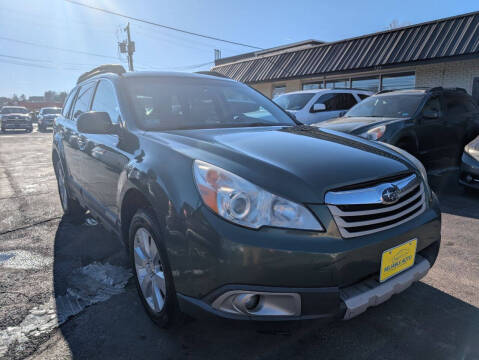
(57, 24)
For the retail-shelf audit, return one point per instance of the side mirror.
(318, 108)
(95, 122)
(430, 114)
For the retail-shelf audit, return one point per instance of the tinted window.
(293, 101)
(162, 103)
(337, 101)
(68, 103)
(396, 106)
(51, 111)
(433, 104)
(363, 96)
(105, 100)
(82, 104)
(456, 106)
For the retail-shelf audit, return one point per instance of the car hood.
(301, 163)
(355, 125)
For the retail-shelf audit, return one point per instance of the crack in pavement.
(30, 225)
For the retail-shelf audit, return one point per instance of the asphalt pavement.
(66, 289)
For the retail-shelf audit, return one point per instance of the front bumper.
(321, 267)
(469, 171)
(16, 124)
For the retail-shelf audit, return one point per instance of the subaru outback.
(230, 208)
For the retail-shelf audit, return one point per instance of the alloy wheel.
(149, 269)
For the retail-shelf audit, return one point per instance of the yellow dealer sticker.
(397, 259)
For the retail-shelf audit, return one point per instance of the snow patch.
(89, 285)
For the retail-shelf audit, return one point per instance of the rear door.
(72, 141)
(431, 133)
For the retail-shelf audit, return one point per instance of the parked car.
(14, 118)
(470, 165)
(221, 215)
(46, 117)
(313, 106)
(432, 124)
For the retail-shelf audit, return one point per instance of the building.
(443, 52)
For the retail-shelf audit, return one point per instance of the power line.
(57, 48)
(162, 26)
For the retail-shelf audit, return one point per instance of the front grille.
(363, 211)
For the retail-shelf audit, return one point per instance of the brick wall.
(448, 74)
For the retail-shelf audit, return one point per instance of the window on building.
(278, 90)
(337, 101)
(312, 86)
(337, 84)
(398, 81)
(369, 83)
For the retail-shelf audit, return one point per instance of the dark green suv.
(230, 208)
(432, 124)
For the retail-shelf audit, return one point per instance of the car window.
(14, 110)
(433, 104)
(293, 101)
(363, 96)
(456, 106)
(397, 106)
(68, 103)
(165, 104)
(82, 103)
(337, 101)
(105, 100)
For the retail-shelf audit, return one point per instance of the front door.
(104, 157)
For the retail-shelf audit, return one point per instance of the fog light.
(246, 303)
(469, 178)
(251, 302)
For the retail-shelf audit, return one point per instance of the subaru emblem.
(390, 195)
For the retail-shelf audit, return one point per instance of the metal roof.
(437, 40)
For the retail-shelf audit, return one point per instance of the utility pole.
(128, 47)
(217, 54)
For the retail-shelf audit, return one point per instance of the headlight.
(473, 149)
(375, 133)
(244, 203)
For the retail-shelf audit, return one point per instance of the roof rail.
(102, 69)
(212, 73)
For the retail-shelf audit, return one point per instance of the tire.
(71, 207)
(40, 129)
(153, 277)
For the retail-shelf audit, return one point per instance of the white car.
(312, 106)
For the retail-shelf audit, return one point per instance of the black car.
(470, 165)
(15, 118)
(239, 212)
(432, 124)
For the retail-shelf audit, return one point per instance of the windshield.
(293, 101)
(397, 106)
(51, 111)
(179, 103)
(14, 110)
